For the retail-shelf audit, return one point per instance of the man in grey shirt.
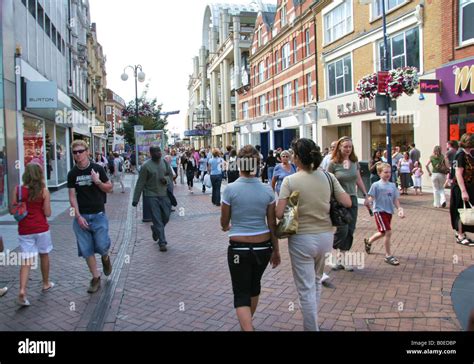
(414, 154)
(153, 180)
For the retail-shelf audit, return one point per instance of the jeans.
(160, 214)
(95, 239)
(308, 253)
(438, 180)
(344, 235)
(270, 173)
(216, 181)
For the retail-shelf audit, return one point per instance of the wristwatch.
(98, 183)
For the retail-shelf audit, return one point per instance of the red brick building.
(279, 102)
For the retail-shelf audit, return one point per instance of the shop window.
(61, 154)
(461, 120)
(344, 130)
(33, 141)
(402, 133)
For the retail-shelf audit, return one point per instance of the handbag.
(171, 196)
(19, 209)
(442, 167)
(339, 214)
(466, 214)
(289, 224)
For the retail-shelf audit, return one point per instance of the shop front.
(46, 143)
(3, 146)
(416, 121)
(456, 100)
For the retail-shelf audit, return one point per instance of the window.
(295, 51)
(309, 87)
(268, 102)
(259, 37)
(268, 67)
(261, 72)
(287, 96)
(277, 99)
(63, 47)
(262, 105)
(108, 110)
(24, 2)
(47, 25)
(403, 50)
(32, 7)
(307, 45)
(466, 25)
(40, 18)
(283, 17)
(285, 56)
(245, 110)
(58, 42)
(297, 101)
(53, 34)
(338, 22)
(340, 76)
(389, 5)
(276, 62)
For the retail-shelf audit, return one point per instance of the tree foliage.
(148, 116)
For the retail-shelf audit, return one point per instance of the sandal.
(392, 260)
(463, 240)
(367, 245)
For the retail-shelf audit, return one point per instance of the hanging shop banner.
(146, 139)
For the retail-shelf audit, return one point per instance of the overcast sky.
(161, 35)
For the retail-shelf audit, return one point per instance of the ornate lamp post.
(140, 76)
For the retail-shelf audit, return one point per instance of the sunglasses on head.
(78, 151)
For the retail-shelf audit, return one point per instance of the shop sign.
(98, 129)
(458, 83)
(430, 86)
(197, 132)
(454, 132)
(355, 108)
(41, 95)
(469, 128)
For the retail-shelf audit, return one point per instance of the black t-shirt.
(271, 161)
(90, 198)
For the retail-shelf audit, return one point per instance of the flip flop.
(24, 303)
(51, 285)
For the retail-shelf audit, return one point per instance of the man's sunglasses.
(78, 151)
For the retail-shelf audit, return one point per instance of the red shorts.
(383, 219)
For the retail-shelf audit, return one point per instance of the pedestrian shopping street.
(188, 287)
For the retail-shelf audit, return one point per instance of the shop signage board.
(470, 128)
(355, 108)
(454, 132)
(41, 95)
(430, 86)
(458, 83)
(98, 129)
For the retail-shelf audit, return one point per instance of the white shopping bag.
(207, 181)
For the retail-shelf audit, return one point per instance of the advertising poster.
(144, 140)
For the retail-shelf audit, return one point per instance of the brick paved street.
(188, 287)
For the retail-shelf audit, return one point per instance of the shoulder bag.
(289, 224)
(339, 214)
(19, 209)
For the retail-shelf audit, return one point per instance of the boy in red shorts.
(384, 195)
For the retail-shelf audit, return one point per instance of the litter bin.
(365, 174)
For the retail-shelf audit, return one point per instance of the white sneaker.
(3, 291)
(325, 277)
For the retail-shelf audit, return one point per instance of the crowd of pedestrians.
(249, 208)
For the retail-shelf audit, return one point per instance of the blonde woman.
(282, 170)
(34, 235)
(438, 176)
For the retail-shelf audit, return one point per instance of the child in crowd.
(417, 173)
(384, 195)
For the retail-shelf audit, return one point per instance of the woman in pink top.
(33, 230)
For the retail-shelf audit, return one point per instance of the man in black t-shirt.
(88, 185)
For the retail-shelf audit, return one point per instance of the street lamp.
(140, 76)
(386, 67)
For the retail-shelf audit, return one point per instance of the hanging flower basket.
(401, 80)
(367, 87)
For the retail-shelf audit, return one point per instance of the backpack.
(120, 167)
(111, 166)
